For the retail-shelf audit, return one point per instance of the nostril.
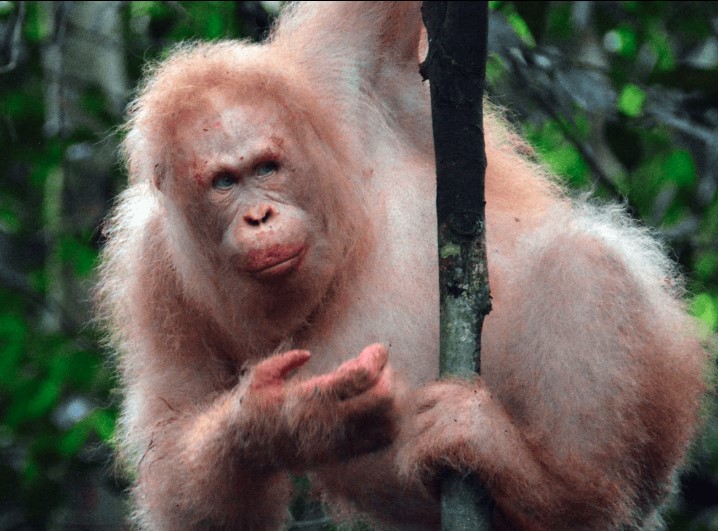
(259, 215)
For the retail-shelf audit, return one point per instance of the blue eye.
(267, 168)
(224, 181)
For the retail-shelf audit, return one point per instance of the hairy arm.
(223, 461)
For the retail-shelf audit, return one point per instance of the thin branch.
(14, 39)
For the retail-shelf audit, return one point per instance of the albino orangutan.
(280, 217)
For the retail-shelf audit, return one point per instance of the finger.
(368, 404)
(372, 359)
(352, 377)
(277, 367)
(362, 373)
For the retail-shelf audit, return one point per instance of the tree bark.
(455, 67)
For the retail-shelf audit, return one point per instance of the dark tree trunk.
(455, 67)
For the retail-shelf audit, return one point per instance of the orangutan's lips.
(277, 261)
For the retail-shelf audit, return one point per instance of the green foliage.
(622, 41)
(518, 23)
(705, 308)
(631, 100)
(55, 382)
(561, 155)
(650, 140)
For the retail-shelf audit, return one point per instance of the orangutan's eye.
(224, 181)
(266, 168)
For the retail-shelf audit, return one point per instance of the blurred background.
(619, 98)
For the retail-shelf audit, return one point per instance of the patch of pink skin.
(369, 363)
(276, 260)
(273, 371)
(352, 378)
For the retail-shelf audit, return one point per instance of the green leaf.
(78, 253)
(103, 422)
(74, 439)
(521, 28)
(81, 369)
(705, 308)
(660, 43)
(215, 25)
(706, 265)
(567, 161)
(676, 213)
(561, 156)
(680, 168)
(559, 20)
(148, 8)
(631, 100)
(495, 69)
(44, 399)
(6, 8)
(621, 41)
(39, 22)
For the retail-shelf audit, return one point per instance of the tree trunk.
(455, 67)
